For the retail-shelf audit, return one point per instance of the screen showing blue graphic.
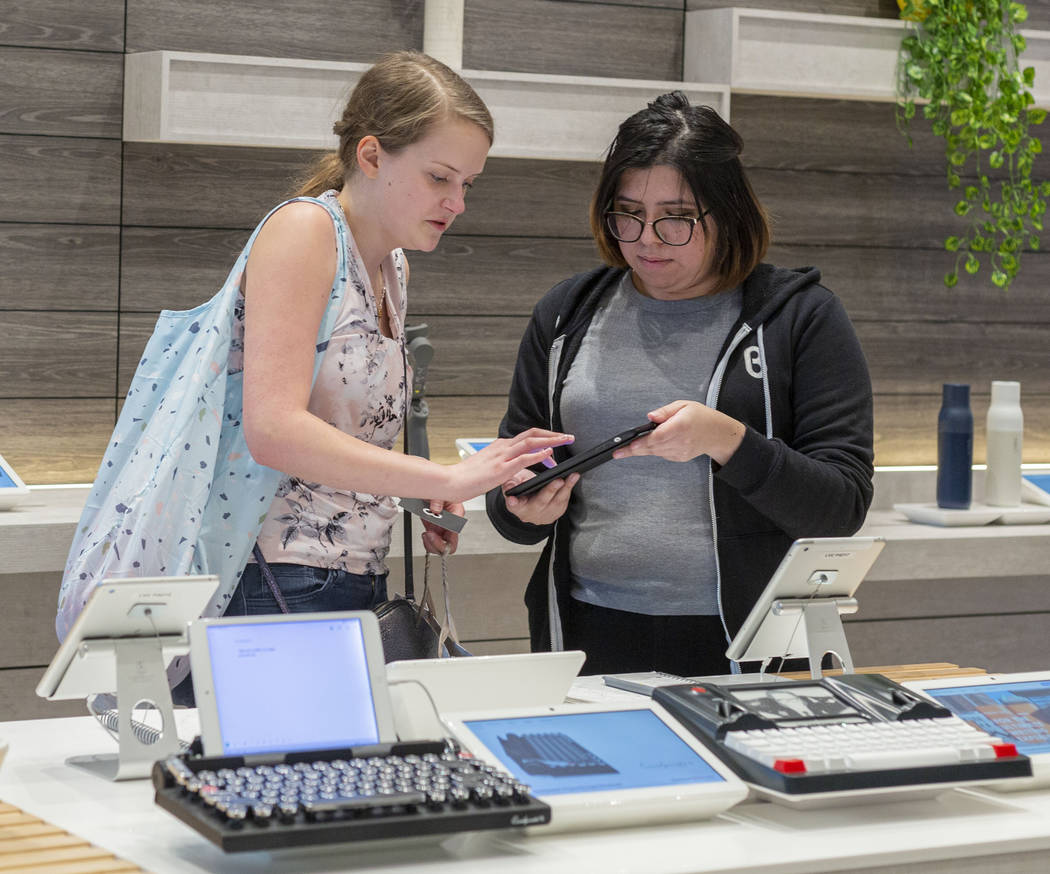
(1018, 713)
(1041, 480)
(592, 752)
(478, 445)
(283, 686)
(5, 479)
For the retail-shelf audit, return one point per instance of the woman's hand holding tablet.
(581, 462)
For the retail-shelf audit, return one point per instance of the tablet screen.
(592, 752)
(283, 686)
(5, 479)
(1017, 712)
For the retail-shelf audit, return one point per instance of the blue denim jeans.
(305, 589)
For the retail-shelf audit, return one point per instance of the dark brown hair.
(696, 142)
(397, 101)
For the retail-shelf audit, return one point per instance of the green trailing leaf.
(959, 60)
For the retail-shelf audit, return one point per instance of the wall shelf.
(813, 54)
(184, 97)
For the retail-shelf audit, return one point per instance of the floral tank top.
(360, 389)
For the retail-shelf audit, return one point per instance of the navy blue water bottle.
(954, 448)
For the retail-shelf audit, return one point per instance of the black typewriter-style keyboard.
(365, 793)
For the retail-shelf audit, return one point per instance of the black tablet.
(581, 462)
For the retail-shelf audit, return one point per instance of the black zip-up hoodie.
(791, 369)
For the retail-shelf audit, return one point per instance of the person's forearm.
(306, 447)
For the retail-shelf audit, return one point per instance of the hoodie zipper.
(712, 401)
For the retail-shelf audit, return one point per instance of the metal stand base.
(141, 679)
(822, 624)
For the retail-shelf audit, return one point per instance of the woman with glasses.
(756, 381)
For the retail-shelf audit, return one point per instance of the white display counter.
(960, 830)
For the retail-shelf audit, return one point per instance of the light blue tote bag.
(178, 492)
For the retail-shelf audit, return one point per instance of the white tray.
(978, 514)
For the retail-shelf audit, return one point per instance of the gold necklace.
(381, 302)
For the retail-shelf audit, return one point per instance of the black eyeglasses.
(674, 230)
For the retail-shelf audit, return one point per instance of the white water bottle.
(1004, 431)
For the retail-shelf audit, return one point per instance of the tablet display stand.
(122, 640)
(798, 614)
(141, 678)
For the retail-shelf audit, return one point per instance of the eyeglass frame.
(692, 228)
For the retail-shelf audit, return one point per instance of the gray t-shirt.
(641, 527)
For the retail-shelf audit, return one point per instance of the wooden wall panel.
(577, 39)
(176, 268)
(844, 209)
(878, 282)
(63, 24)
(331, 30)
(168, 185)
(869, 8)
(57, 354)
(656, 4)
(61, 93)
(848, 136)
(477, 354)
(59, 179)
(917, 357)
(55, 440)
(58, 267)
(172, 185)
(906, 425)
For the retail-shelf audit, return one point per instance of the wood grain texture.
(59, 179)
(174, 268)
(876, 283)
(55, 441)
(57, 354)
(915, 358)
(967, 640)
(59, 267)
(325, 29)
(868, 8)
(94, 26)
(576, 39)
(476, 355)
(656, 4)
(61, 93)
(849, 209)
(852, 136)
(906, 425)
(177, 268)
(171, 185)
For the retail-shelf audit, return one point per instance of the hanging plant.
(959, 61)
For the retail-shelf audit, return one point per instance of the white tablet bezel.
(117, 609)
(764, 634)
(443, 680)
(12, 495)
(1040, 761)
(204, 684)
(637, 805)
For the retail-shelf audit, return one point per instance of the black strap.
(267, 574)
(406, 517)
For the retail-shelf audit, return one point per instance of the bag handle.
(267, 574)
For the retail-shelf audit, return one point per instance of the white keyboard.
(868, 746)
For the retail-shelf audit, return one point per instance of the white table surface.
(753, 837)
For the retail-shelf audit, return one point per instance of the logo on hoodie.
(753, 361)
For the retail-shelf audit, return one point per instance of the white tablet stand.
(141, 678)
(823, 628)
